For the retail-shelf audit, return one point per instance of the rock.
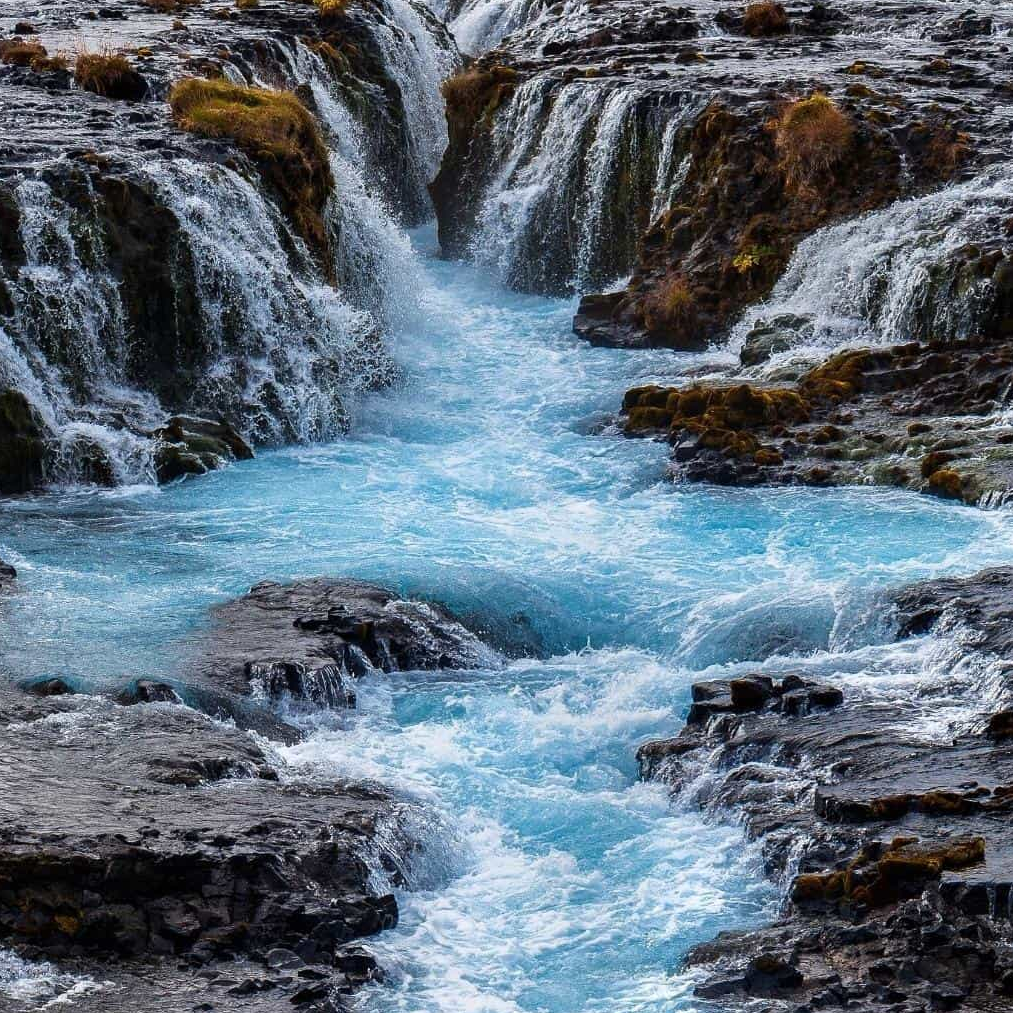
(767, 338)
(902, 843)
(193, 446)
(22, 447)
(146, 691)
(7, 572)
(306, 643)
(103, 854)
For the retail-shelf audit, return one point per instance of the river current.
(493, 479)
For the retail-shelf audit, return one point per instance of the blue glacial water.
(551, 881)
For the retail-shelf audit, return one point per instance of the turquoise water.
(550, 881)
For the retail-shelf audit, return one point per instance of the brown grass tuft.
(18, 53)
(110, 75)
(764, 19)
(275, 130)
(669, 305)
(812, 135)
(332, 8)
(474, 95)
(171, 6)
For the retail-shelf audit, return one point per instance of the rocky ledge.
(148, 846)
(888, 820)
(919, 416)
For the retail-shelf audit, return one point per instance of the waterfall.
(899, 274)
(283, 348)
(245, 325)
(579, 167)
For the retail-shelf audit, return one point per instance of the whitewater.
(494, 478)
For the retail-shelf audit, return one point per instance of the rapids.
(549, 879)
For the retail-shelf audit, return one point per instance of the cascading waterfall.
(63, 345)
(283, 347)
(579, 167)
(893, 275)
(265, 340)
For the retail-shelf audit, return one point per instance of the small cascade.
(915, 270)
(580, 167)
(282, 347)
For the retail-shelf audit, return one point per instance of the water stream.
(550, 880)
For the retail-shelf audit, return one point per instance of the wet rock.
(22, 447)
(864, 415)
(194, 446)
(106, 851)
(7, 573)
(900, 844)
(766, 339)
(304, 644)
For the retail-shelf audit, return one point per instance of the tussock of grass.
(765, 18)
(275, 130)
(109, 74)
(18, 53)
(331, 8)
(474, 95)
(812, 136)
(171, 6)
(669, 305)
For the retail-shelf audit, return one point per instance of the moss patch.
(277, 132)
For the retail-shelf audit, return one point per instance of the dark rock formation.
(192, 446)
(896, 843)
(138, 836)
(917, 416)
(7, 573)
(22, 448)
(303, 645)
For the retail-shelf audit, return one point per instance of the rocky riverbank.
(153, 849)
(887, 820)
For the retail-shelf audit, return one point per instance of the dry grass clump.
(474, 95)
(765, 18)
(247, 5)
(669, 305)
(275, 130)
(259, 120)
(812, 136)
(110, 75)
(18, 53)
(331, 8)
(171, 6)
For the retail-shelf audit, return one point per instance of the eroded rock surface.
(138, 837)
(889, 828)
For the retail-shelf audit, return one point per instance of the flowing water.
(550, 880)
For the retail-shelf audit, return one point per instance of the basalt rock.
(304, 645)
(150, 843)
(896, 843)
(193, 446)
(22, 446)
(919, 416)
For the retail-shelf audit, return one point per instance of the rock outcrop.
(920, 416)
(895, 843)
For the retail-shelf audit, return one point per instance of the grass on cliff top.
(765, 18)
(812, 136)
(277, 131)
(260, 120)
(473, 95)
